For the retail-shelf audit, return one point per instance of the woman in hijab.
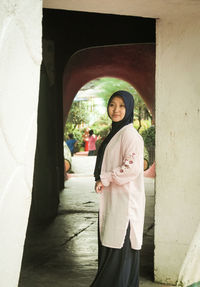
(120, 183)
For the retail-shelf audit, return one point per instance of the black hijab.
(116, 126)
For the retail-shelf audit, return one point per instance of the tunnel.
(79, 47)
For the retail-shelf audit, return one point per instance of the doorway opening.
(91, 93)
(89, 111)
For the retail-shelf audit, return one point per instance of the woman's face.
(116, 109)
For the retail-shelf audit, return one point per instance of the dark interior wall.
(72, 31)
(69, 31)
(45, 188)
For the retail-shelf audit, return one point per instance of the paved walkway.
(64, 253)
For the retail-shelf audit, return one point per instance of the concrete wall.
(20, 57)
(177, 146)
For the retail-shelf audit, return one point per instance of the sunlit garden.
(89, 111)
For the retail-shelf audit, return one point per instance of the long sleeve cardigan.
(123, 198)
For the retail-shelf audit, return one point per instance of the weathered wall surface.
(178, 140)
(20, 57)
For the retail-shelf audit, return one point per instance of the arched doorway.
(65, 33)
(134, 63)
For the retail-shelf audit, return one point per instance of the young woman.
(120, 183)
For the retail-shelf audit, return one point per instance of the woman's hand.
(99, 186)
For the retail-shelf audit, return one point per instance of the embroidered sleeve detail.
(127, 162)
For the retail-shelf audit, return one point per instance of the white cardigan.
(123, 198)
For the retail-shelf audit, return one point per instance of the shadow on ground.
(64, 252)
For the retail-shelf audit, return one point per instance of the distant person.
(86, 138)
(71, 142)
(92, 143)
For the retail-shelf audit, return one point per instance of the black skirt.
(117, 267)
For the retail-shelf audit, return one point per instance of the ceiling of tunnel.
(143, 8)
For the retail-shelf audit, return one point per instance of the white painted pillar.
(177, 143)
(20, 58)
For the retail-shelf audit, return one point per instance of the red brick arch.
(134, 63)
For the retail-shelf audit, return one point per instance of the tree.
(106, 86)
(78, 114)
(141, 111)
(149, 142)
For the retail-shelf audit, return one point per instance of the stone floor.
(64, 253)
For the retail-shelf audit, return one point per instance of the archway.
(134, 63)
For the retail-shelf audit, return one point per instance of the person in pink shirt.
(92, 143)
(119, 176)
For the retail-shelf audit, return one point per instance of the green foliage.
(149, 143)
(144, 124)
(78, 114)
(106, 86)
(103, 123)
(103, 133)
(149, 137)
(141, 111)
(146, 154)
(77, 135)
(101, 128)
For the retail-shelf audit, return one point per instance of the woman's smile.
(116, 109)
